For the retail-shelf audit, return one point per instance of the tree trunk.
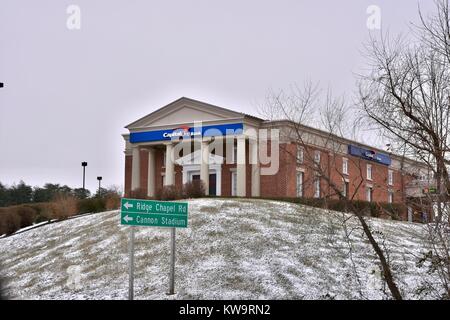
(384, 264)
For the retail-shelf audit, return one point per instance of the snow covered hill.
(233, 249)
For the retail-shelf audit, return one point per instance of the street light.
(84, 164)
(99, 184)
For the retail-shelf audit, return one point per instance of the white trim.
(390, 196)
(345, 160)
(367, 172)
(390, 175)
(300, 155)
(369, 194)
(299, 183)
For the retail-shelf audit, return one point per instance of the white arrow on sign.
(127, 218)
(128, 205)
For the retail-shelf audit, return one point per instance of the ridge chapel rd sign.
(150, 213)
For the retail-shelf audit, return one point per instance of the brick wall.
(284, 182)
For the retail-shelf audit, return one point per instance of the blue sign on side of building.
(369, 155)
(184, 131)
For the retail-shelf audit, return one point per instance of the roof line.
(346, 140)
(196, 101)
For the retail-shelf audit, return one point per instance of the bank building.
(153, 160)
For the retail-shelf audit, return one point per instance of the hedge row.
(395, 211)
(16, 217)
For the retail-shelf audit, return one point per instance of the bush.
(137, 194)
(64, 206)
(27, 215)
(397, 211)
(194, 189)
(169, 193)
(45, 212)
(91, 205)
(9, 221)
(112, 201)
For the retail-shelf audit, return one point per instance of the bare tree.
(301, 105)
(407, 96)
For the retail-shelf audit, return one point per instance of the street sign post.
(150, 213)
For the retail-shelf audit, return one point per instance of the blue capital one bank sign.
(369, 155)
(187, 132)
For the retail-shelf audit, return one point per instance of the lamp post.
(99, 184)
(84, 164)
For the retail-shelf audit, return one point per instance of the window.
(234, 154)
(390, 197)
(299, 155)
(345, 166)
(317, 187)
(317, 157)
(369, 172)
(299, 184)
(369, 194)
(233, 184)
(410, 214)
(345, 189)
(390, 177)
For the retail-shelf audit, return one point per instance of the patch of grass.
(229, 204)
(209, 209)
(247, 228)
(215, 234)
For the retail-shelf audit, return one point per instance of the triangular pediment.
(184, 110)
(194, 158)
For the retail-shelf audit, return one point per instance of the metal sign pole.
(131, 264)
(172, 262)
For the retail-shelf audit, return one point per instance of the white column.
(219, 181)
(254, 160)
(204, 165)
(170, 166)
(240, 167)
(151, 175)
(136, 169)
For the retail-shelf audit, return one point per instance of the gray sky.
(69, 93)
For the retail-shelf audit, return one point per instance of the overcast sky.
(69, 93)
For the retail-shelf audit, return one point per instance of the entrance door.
(212, 184)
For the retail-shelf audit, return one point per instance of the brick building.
(231, 153)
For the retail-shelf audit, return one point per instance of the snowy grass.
(233, 249)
